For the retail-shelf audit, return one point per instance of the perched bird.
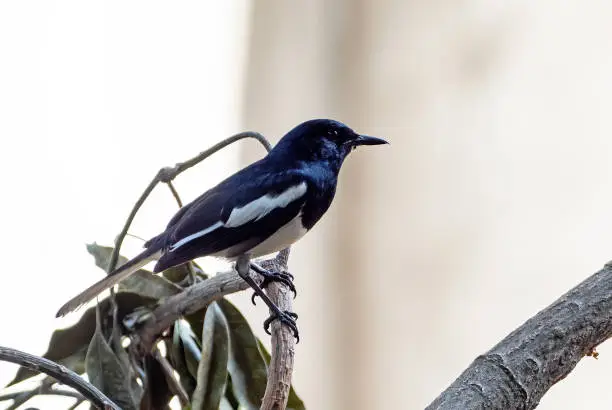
(259, 210)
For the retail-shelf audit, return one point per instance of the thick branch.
(283, 342)
(60, 373)
(517, 372)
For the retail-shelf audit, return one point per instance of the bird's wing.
(233, 217)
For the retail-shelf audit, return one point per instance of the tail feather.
(109, 281)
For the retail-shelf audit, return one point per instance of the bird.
(259, 210)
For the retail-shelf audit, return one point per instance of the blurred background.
(492, 200)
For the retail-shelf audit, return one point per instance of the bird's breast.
(285, 236)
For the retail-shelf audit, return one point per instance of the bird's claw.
(283, 277)
(287, 318)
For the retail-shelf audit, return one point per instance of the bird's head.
(323, 140)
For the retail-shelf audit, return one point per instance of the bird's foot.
(273, 276)
(285, 317)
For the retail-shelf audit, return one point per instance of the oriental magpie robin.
(259, 210)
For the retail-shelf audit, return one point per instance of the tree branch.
(520, 369)
(282, 352)
(60, 373)
(192, 299)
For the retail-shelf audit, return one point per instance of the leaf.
(212, 370)
(157, 393)
(196, 321)
(149, 285)
(246, 364)
(124, 358)
(102, 255)
(68, 346)
(294, 402)
(107, 373)
(180, 333)
(142, 282)
(177, 274)
(191, 349)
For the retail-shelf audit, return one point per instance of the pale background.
(493, 198)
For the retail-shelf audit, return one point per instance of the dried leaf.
(68, 346)
(107, 373)
(294, 402)
(157, 393)
(246, 364)
(212, 370)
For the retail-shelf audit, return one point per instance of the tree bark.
(520, 369)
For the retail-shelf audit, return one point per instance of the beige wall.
(494, 197)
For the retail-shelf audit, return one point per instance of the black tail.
(112, 279)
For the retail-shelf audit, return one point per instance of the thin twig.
(175, 386)
(42, 392)
(175, 194)
(60, 373)
(75, 405)
(520, 369)
(282, 352)
(22, 398)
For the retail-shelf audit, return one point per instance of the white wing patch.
(262, 206)
(252, 211)
(196, 235)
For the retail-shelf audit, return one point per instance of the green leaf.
(68, 346)
(157, 393)
(212, 370)
(106, 371)
(294, 402)
(180, 348)
(246, 364)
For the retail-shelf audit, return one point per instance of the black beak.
(367, 140)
